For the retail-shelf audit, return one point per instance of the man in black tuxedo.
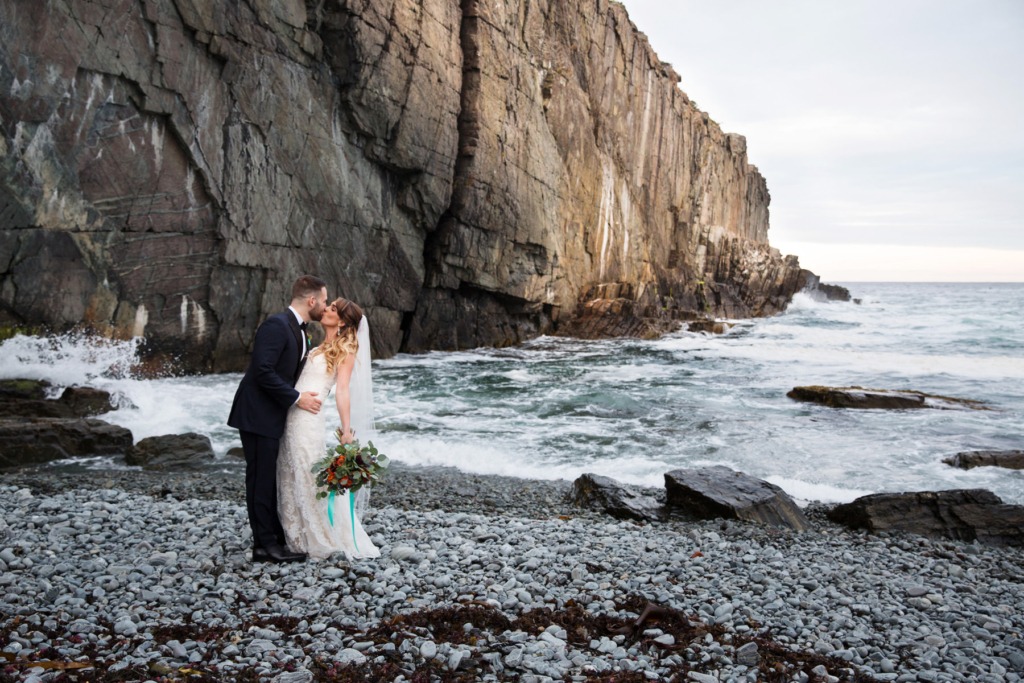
(261, 405)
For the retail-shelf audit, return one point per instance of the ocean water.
(632, 410)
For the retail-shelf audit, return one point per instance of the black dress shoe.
(280, 554)
(260, 555)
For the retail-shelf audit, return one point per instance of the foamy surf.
(554, 408)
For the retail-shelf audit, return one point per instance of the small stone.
(747, 655)
(666, 639)
(297, 676)
(350, 656)
(917, 591)
(428, 649)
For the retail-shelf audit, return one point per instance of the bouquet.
(348, 468)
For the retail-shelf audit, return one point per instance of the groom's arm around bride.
(261, 405)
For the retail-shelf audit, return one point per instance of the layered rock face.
(471, 173)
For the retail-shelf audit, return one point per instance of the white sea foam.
(634, 409)
(825, 493)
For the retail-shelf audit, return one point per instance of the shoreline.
(159, 569)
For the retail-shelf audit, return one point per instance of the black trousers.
(261, 489)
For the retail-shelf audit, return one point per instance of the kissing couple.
(277, 411)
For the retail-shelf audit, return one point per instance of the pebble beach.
(146, 576)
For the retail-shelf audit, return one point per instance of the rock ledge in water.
(1011, 460)
(27, 398)
(604, 493)
(958, 514)
(32, 441)
(720, 492)
(172, 452)
(885, 399)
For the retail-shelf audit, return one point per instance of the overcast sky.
(891, 133)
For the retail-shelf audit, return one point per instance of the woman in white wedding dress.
(343, 359)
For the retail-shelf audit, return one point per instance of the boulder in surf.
(713, 492)
(36, 440)
(28, 398)
(958, 514)
(883, 399)
(1011, 460)
(172, 452)
(604, 493)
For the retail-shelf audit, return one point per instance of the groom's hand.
(309, 401)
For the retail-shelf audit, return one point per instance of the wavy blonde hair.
(337, 350)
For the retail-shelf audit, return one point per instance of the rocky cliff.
(473, 173)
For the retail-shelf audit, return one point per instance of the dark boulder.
(27, 398)
(85, 402)
(172, 452)
(1011, 460)
(720, 492)
(603, 493)
(959, 514)
(884, 399)
(32, 441)
(237, 452)
(709, 326)
(834, 292)
(23, 389)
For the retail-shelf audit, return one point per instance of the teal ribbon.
(352, 514)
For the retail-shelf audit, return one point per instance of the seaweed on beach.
(778, 662)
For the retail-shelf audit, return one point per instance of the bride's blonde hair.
(336, 351)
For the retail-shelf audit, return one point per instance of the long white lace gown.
(307, 527)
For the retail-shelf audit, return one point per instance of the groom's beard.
(317, 312)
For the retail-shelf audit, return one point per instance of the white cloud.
(902, 263)
(874, 122)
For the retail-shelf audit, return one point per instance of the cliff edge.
(472, 173)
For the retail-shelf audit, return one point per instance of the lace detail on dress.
(304, 518)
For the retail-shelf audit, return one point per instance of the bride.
(343, 359)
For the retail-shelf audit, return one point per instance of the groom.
(261, 406)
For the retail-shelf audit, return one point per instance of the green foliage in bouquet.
(349, 467)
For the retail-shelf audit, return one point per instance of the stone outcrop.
(880, 399)
(27, 398)
(32, 441)
(604, 493)
(472, 173)
(960, 514)
(1011, 460)
(172, 452)
(713, 492)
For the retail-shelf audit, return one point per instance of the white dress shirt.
(298, 317)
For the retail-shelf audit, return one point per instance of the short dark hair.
(307, 286)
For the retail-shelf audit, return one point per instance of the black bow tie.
(303, 326)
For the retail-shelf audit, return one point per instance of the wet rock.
(27, 398)
(720, 492)
(708, 326)
(23, 390)
(819, 291)
(1011, 460)
(236, 452)
(30, 441)
(882, 399)
(960, 514)
(604, 493)
(172, 452)
(86, 402)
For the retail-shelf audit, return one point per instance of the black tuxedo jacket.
(268, 389)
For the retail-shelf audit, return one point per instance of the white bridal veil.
(360, 389)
